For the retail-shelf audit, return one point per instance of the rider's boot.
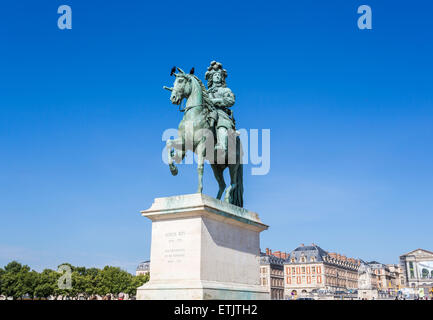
(221, 139)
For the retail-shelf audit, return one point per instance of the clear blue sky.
(82, 112)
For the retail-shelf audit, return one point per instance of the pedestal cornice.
(198, 204)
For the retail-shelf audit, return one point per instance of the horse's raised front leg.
(174, 155)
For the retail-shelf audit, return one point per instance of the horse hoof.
(173, 170)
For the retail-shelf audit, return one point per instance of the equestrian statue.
(208, 129)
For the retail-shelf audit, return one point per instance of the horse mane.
(207, 103)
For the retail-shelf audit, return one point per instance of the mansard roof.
(308, 252)
(270, 259)
(313, 253)
(144, 266)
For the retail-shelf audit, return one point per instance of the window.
(303, 269)
(319, 279)
(308, 270)
(293, 270)
(313, 269)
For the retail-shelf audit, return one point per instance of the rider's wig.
(214, 68)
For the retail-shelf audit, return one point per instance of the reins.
(189, 107)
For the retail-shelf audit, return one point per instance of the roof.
(144, 266)
(270, 259)
(308, 252)
(411, 252)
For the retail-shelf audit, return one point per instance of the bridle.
(185, 108)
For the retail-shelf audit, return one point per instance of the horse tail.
(238, 190)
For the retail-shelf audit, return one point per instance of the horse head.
(182, 86)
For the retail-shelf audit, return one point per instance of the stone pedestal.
(203, 248)
(369, 294)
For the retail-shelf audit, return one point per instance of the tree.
(2, 272)
(82, 284)
(14, 267)
(18, 280)
(136, 281)
(46, 284)
(112, 280)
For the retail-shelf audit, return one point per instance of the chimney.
(267, 251)
(277, 254)
(302, 244)
(283, 255)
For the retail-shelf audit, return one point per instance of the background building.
(272, 273)
(417, 268)
(310, 269)
(143, 268)
(383, 275)
(397, 277)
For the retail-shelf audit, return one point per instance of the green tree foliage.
(47, 284)
(17, 280)
(112, 280)
(2, 272)
(136, 282)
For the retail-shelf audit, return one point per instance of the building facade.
(311, 269)
(397, 277)
(143, 268)
(417, 267)
(385, 279)
(272, 273)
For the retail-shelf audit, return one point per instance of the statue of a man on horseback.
(222, 99)
(206, 112)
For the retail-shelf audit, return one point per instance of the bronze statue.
(206, 113)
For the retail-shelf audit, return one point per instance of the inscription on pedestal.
(175, 251)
